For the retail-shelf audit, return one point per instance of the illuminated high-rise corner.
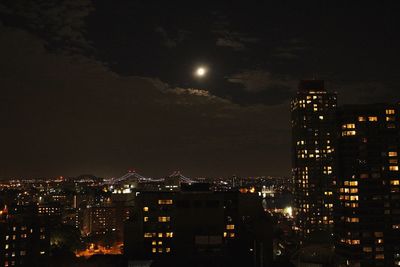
(313, 118)
(367, 226)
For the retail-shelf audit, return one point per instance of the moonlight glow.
(201, 71)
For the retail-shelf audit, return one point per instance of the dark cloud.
(171, 40)
(61, 22)
(66, 115)
(261, 86)
(107, 85)
(225, 42)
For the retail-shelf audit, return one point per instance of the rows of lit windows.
(160, 235)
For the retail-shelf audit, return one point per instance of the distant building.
(50, 210)
(368, 215)
(197, 226)
(313, 117)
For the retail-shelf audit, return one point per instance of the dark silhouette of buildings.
(24, 240)
(198, 227)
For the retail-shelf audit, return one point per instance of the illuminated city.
(140, 133)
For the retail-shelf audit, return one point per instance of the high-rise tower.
(313, 112)
(368, 214)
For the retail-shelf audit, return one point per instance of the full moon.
(201, 71)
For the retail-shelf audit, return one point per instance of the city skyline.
(100, 88)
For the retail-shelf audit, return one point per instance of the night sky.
(100, 87)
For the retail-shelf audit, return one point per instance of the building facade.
(24, 241)
(198, 227)
(368, 215)
(313, 118)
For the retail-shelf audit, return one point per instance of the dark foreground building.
(368, 213)
(197, 227)
(24, 240)
(313, 112)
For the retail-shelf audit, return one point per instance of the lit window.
(348, 133)
(390, 118)
(380, 256)
(394, 182)
(361, 118)
(168, 250)
(145, 219)
(349, 126)
(230, 227)
(160, 234)
(353, 219)
(231, 235)
(225, 234)
(154, 250)
(160, 243)
(353, 183)
(390, 111)
(169, 234)
(353, 198)
(145, 208)
(164, 219)
(154, 243)
(165, 201)
(392, 153)
(147, 235)
(160, 250)
(378, 234)
(367, 249)
(393, 168)
(373, 118)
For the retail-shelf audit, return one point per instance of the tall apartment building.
(195, 225)
(368, 215)
(313, 117)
